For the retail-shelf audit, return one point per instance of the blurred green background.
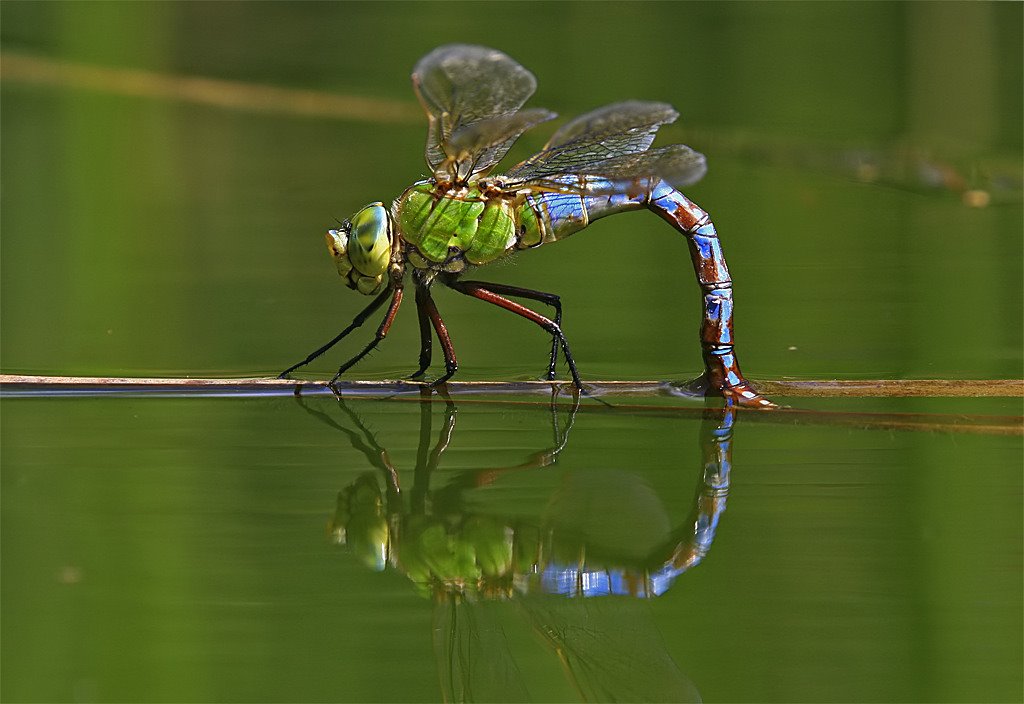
(148, 236)
(172, 549)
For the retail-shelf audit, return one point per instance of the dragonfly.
(464, 216)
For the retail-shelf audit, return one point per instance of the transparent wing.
(474, 660)
(480, 145)
(610, 648)
(611, 131)
(461, 84)
(677, 164)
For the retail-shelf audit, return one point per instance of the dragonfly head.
(361, 248)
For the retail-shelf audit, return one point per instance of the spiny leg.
(421, 473)
(377, 455)
(382, 332)
(542, 458)
(550, 298)
(451, 364)
(356, 322)
(444, 438)
(562, 434)
(426, 341)
(476, 290)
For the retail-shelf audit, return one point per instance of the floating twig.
(470, 392)
(819, 388)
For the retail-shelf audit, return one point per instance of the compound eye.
(369, 243)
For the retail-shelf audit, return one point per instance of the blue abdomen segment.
(573, 581)
(559, 215)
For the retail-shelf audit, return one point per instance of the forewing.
(480, 145)
(459, 84)
(608, 132)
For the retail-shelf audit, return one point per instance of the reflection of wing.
(470, 94)
(612, 131)
(610, 648)
(473, 656)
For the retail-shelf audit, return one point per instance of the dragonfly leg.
(482, 292)
(451, 364)
(722, 375)
(382, 332)
(550, 298)
(426, 340)
(356, 322)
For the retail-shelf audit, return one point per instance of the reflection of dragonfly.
(596, 165)
(474, 565)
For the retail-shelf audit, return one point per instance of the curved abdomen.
(553, 216)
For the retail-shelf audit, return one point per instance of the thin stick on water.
(512, 394)
(817, 388)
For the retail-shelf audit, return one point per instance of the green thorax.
(449, 230)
